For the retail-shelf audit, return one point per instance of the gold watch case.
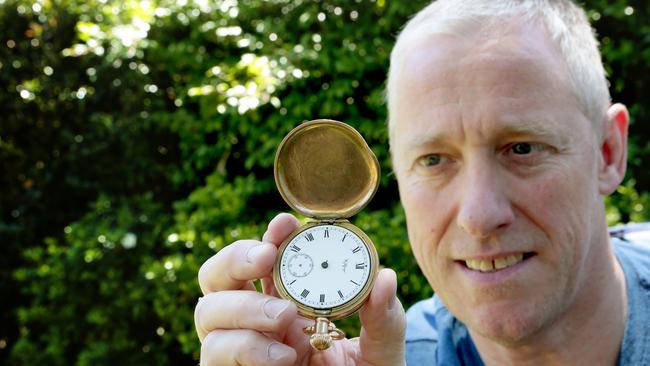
(325, 170)
(346, 309)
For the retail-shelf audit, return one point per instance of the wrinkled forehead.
(516, 51)
(492, 82)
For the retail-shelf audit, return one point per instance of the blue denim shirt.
(435, 337)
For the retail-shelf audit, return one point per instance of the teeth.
(486, 266)
(500, 263)
(514, 259)
(494, 265)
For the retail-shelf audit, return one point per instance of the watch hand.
(324, 264)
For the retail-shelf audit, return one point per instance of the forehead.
(523, 53)
(497, 76)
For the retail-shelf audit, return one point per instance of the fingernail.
(276, 351)
(274, 307)
(254, 252)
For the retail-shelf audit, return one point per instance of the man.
(504, 143)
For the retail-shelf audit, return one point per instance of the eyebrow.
(538, 128)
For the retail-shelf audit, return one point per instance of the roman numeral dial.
(325, 266)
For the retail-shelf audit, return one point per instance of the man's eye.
(430, 160)
(523, 148)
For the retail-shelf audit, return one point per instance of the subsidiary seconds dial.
(325, 266)
(300, 265)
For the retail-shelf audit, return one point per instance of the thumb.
(383, 323)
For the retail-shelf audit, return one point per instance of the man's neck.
(590, 332)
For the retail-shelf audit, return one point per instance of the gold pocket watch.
(325, 170)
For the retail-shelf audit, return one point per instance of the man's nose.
(485, 206)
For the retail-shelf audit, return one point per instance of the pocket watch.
(325, 170)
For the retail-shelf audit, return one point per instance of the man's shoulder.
(435, 337)
(422, 337)
(637, 233)
(631, 244)
(421, 320)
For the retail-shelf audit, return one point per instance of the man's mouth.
(496, 264)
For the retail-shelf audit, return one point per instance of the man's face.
(498, 174)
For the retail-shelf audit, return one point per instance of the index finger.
(234, 266)
(279, 228)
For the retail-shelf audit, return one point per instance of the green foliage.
(138, 138)
(98, 279)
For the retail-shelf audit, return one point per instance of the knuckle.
(225, 310)
(249, 310)
(206, 276)
(211, 340)
(197, 310)
(242, 309)
(225, 261)
(202, 275)
(213, 352)
(234, 347)
(240, 246)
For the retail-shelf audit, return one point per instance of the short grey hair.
(566, 23)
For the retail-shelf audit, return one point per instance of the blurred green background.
(137, 139)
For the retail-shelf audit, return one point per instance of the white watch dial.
(325, 266)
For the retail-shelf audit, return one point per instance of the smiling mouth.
(496, 264)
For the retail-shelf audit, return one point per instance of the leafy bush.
(138, 138)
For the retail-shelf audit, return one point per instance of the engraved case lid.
(324, 169)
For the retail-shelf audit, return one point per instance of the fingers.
(243, 310)
(279, 228)
(236, 324)
(234, 266)
(240, 347)
(383, 323)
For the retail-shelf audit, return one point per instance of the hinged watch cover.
(324, 169)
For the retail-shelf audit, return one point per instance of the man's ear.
(613, 149)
